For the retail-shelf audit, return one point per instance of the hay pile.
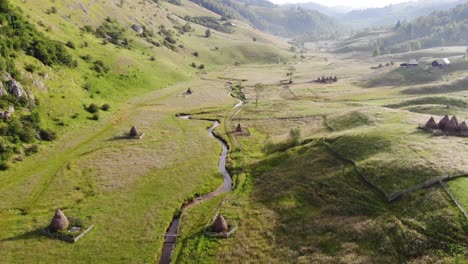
(447, 126)
(443, 122)
(59, 222)
(432, 124)
(134, 132)
(239, 128)
(220, 225)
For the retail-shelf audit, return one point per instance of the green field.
(297, 199)
(459, 188)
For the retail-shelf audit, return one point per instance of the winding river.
(172, 231)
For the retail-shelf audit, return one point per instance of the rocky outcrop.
(3, 92)
(137, 28)
(16, 89)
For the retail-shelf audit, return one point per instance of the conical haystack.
(454, 118)
(239, 128)
(220, 225)
(59, 222)
(134, 132)
(452, 126)
(463, 129)
(432, 124)
(443, 122)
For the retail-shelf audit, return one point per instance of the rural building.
(410, 64)
(229, 24)
(440, 63)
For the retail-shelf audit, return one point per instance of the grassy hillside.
(141, 78)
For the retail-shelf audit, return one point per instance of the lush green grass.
(403, 76)
(459, 188)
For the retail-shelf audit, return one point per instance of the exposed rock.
(14, 88)
(40, 85)
(3, 92)
(59, 222)
(220, 225)
(139, 29)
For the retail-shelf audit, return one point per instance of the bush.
(4, 166)
(100, 67)
(93, 108)
(208, 33)
(196, 54)
(71, 45)
(30, 68)
(201, 67)
(295, 136)
(47, 135)
(31, 150)
(95, 116)
(86, 57)
(194, 65)
(105, 107)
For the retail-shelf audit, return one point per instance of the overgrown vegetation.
(209, 22)
(23, 37)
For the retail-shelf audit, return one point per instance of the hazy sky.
(352, 3)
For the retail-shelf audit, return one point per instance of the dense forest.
(441, 28)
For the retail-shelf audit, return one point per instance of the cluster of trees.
(209, 22)
(438, 29)
(23, 36)
(110, 30)
(18, 134)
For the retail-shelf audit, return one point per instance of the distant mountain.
(383, 16)
(329, 11)
(261, 3)
(389, 15)
(278, 20)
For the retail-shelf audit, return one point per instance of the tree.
(259, 88)
(295, 136)
(207, 33)
(376, 52)
(398, 25)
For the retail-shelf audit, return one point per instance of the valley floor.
(304, 203)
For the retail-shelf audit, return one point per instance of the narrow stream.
(172, 231)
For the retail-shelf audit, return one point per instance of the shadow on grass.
(34, 234)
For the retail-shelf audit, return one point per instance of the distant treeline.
(438, 29)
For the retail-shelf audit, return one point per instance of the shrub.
(105, 107)
(196, 54)
(70, 44)
(93, 108)
(100, 67)
(30, 68)
(295, 136)
(47, 135)
(31, 150)
(86, 57)
(194, 65)
(95, 116)
(201, 67)
(4, 166)
(208, 33)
